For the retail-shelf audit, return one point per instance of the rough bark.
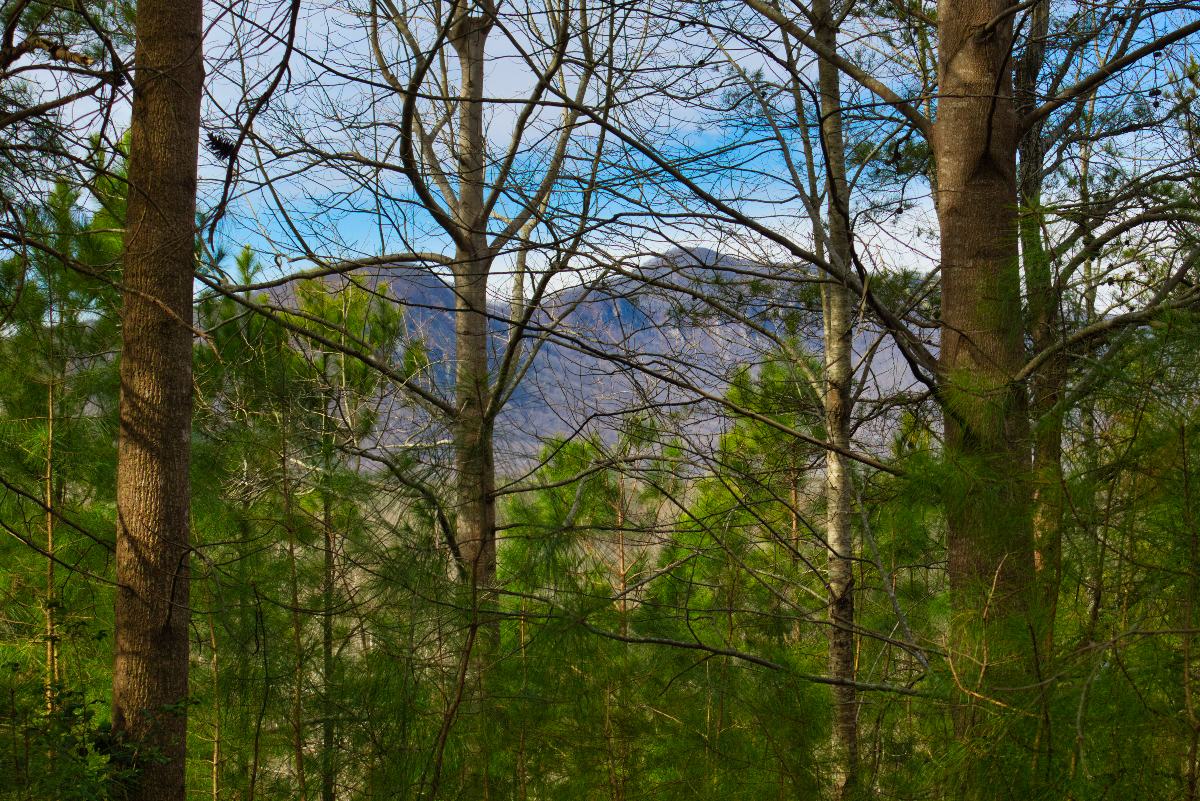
(150, 674)
(837, 307)
(838, 532)
(989, 528)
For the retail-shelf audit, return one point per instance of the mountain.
(663, 337)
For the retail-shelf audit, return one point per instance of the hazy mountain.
(660, 336)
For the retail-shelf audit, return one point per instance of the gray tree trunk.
(989, 512)
(837, 308)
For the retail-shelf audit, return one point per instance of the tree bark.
(150, 673)
(837, 308)
(988, 512)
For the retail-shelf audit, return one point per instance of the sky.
(334, 97)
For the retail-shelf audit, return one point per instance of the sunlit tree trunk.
(150, 674)
(214, 668)
(837, 308)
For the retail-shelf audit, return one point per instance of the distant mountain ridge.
(626, 341)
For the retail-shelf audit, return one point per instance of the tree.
(56, 90)
(974, 132)
(57, 456)
(150, 670)
(836, 308)
(461, 211)
(989, 518)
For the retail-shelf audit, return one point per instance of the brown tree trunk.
(476, 528)
(150, 673)
(476, 518)
(837, 308)
(989, 526)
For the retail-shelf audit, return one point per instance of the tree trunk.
(988, 512)
(1043, 329)
(214, 668)
(328, 731)
(331, 409)
(476, 528)
(837, 308)
(476, 518)
(150, 673)
(474, 462)
(1043, 323)
(52, 678)
(299, 665)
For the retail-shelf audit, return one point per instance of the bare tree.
(475, 185)
(973, 130)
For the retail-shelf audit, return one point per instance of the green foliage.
(662, 614)
(58, 389)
